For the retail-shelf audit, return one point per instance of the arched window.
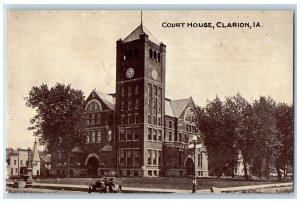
(189, 116)
(93, 105)
(150, 53)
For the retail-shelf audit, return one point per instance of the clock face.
(154, 74)
(129, 72)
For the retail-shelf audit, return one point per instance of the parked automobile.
(105, 185)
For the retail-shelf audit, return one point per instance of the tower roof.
(35, 153)
(135, 34)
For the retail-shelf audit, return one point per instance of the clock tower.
(140, 104)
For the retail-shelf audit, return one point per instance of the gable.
(104, 101)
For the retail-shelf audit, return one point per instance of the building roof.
(108, 99)
(106, 148)
(135, 34)
(77, 150)
(168, 108)
(46, 158)
(179, 105)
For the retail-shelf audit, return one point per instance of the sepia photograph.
(168, 102)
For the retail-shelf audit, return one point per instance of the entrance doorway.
(92, 165)
(190, 167)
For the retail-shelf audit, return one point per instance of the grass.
(163, 182)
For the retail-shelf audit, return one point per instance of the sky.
(79, 48)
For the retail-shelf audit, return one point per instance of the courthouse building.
(136, 131)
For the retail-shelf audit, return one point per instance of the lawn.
(164, 182)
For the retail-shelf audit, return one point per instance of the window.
(92, 119)
(159, 92)
(201, 160)
(149, 103)
(149, 118)
(170, 124)
(129, 134)
(154, 157)
(186, 138)
(149, 157)
(149, 90)
(129, 157)
(154, 105)
(180, 158)
(129, 104)
(108, 136)
(170, 135)
(180, 137)
(150, 53)
(123, 92)
(98, 118)
(122, 105)
(159, 158)
(122, 134)
(136, 118)
(129, 91)
(99, 136)
(129, 118)
(136, 157)
(136, 89)
(21, 162)
(159, 120)
(122, 157)
(159, 107)
(122, 119)
(154, 134)
(15, 162)
(136, 103)
(16, 170)
(135, 134)
(154, 120)
(154, 55)
(88, 138)
(93, 137)
(97, 107)
(11, 171)
(149, 173)
(175, 137)
(160, 135)
(149, 134)
(155, 91)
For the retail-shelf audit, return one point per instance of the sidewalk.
(157, 190)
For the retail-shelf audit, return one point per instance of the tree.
(59, 122)
(284, 124)
(216, 134)
(243, 125)
(265, 134)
